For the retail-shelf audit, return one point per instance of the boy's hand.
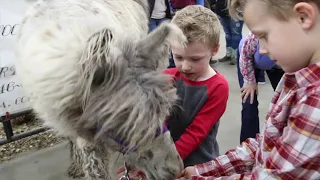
(187, 173)
(134, 174)
(248, 90)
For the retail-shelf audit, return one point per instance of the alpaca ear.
(156, 44)
(94, 57)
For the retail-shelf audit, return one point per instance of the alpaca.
(94, 75)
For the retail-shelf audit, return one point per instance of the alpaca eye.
(98, 77)
(150, 154)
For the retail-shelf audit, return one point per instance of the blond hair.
(198, 24)
(280, 8)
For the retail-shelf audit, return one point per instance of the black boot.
(225, 59)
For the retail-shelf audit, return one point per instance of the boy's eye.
(264, 37)
(178, 58)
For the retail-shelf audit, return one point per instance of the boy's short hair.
(280, 8)
(198, 24)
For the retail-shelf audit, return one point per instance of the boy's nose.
(263, 51)
(186, 66)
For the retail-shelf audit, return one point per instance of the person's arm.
(246, 61)
(200, 2)
(234, 162)
(246, 65)
(206, 118)
(293, 154)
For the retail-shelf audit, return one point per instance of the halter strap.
(125, 149)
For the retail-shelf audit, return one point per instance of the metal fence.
(7, 127)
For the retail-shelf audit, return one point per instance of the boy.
(203, 91)
(177, 5)
(288, 148)
(232, 29)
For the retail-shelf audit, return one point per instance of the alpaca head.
(126, 96)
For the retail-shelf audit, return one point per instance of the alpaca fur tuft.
(94, 75)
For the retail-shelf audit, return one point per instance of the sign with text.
(12, 98)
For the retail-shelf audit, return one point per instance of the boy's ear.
(306, 13)
(215, 50)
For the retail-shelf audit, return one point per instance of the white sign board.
(12, 99)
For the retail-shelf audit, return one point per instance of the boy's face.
(288, 43)
(193, 60)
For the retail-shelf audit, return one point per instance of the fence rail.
(7, 126)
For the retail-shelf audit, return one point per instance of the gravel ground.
(31, 143)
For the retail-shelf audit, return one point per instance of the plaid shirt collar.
(302, 78)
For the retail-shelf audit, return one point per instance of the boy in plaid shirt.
(288, 147)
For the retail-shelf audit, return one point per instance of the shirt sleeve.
(233, 163)
(246, 61)
(206, 118)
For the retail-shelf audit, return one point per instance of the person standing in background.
(232, 29)
(159, 12)
(179, 4)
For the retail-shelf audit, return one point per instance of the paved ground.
(51, 164)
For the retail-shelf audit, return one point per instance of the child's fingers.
(181, 174)
(251, 97)
(243, 93)
(245, 97)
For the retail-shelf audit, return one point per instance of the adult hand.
(134, 174)
(248, 90)
(187, 173)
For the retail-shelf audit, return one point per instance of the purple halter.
(125, 148)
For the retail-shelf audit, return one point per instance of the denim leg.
(152, 24)
(171, 61)
(249, 119)
(240, 77)
(225, 22)
(261, 77)
(236, 33)
(161, 21)
(250, 113)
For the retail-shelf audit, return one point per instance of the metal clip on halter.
(125, 176)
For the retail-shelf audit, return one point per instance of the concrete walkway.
(51, 163)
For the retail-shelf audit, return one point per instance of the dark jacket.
(179, 4)
(151, 6)
(221, 8)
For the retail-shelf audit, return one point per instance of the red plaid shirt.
(289, 146)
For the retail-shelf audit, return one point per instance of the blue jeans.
(154, 23)
(233, 31)
(261, 77)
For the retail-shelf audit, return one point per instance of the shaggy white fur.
(93, 74)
